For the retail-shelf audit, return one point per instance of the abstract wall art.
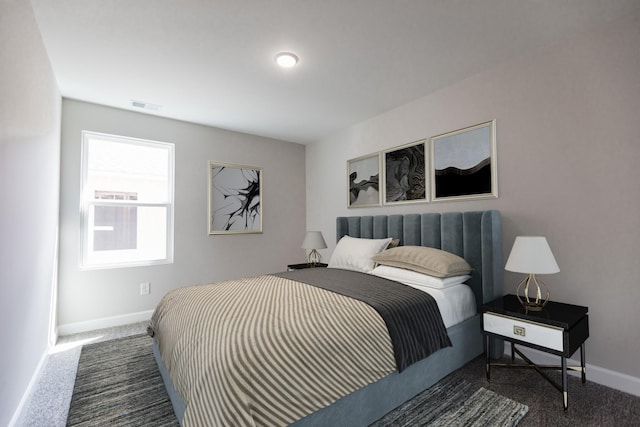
(405, 174)
(235, 199)
(463, 164)
(363, 176)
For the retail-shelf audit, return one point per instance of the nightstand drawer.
(522, 330)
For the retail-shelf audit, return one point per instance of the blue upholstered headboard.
(475, 236)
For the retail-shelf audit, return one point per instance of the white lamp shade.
(531, 255)
(314, 240)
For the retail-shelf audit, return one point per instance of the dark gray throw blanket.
(411, 316)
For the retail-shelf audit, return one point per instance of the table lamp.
(532, 255)
(313, 240)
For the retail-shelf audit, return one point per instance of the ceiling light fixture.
(286, 59)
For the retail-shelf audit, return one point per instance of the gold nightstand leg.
(565, 393)
(488, 363)
(583, 364)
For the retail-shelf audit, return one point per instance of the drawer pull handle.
(519, 330)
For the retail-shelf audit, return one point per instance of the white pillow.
(352, 253)
(413, 278)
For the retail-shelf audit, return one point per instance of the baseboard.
(596, 374)
(18, 415)
(105, 322)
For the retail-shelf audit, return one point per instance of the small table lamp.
(532, 255)
(313, 240)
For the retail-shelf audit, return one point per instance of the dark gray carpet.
(455, 402)
(590, 404)
(118, 384)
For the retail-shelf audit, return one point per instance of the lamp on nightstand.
(313, 240)
(532, 255)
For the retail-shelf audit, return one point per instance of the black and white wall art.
(405, 170)
(235, 199)
(463, 164)
(363, 175)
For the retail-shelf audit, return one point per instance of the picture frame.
(464, 164)
(363, 181)
(405, 174)
(235, 199)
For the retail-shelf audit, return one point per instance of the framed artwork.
(463, 164)
(363, 175)
(235, 199)
(405, 174)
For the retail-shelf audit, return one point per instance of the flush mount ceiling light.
(286, 59)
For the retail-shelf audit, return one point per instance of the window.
(126, 201)
(115, 227)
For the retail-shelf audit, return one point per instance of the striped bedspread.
(267, 350)
(412, 317)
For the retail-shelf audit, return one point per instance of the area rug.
(455, 402)
(118, 384)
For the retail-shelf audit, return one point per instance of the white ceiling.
(211, 62)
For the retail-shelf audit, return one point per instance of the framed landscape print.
(405, 174)
(235, 199)
(363, 175)
(463, 164)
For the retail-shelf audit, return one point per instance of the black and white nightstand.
(558, 329)
(304, 265)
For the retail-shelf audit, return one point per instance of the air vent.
(145, 105)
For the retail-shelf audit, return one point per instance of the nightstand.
(292, 267)
(558, 329)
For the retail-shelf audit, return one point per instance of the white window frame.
(87, 201)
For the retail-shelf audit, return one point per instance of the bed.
(354, 390)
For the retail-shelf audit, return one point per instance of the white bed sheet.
(456, 303)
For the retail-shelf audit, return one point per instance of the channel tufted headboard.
(475, 236)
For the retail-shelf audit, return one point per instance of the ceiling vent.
(145, 105)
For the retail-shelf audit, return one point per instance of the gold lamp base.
(314, 257)
(528, 303)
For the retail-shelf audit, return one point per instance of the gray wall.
(29, 168)
(568, 137)
(86, 296)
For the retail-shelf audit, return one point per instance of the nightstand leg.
(565, 393)
(582, 364)
(513, 358)
(488, 365)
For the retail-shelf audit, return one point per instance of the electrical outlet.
(145, 288)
